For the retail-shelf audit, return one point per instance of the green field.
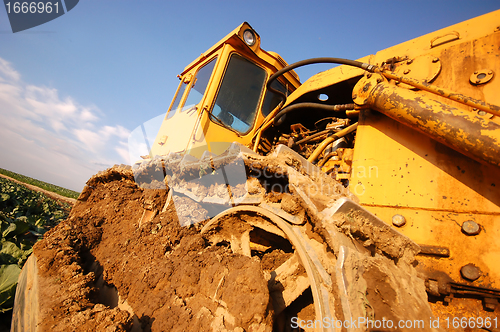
(25, 215)
(44, 185)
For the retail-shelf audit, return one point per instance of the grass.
(44, 185)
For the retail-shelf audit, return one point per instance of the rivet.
(407, 71)
(435, 60)
(470, 227)
(470, 272)
(490, 72)
(398, 220)
(409, 62)
(482, 113)
(478, 81)
(475, 73)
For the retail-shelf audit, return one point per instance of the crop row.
(44, 185)
(25, 215)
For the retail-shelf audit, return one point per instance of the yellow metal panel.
(394, 165)
(466, 31)
(170, 138)
(443, 228)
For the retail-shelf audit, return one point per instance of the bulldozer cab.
(222, 96)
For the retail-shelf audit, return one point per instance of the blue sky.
(73, 89)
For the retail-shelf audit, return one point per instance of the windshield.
(239, 95)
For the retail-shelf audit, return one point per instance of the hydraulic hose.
(311, 137)
(332, 108)
(340, 61)
(329, 140)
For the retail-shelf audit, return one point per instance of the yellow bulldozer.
(366, 198)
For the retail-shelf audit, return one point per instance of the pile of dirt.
(135, 259)
(107, 268)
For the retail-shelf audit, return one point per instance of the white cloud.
(7, 72)
(51, 138)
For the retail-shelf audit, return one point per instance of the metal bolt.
(481, 113)
(409, 62)
(369, 75)
(398, 220)
(407, 71)
(379, 80)
(470, 272)
(435, 60)
(475, 73)
(470, 227)
(354, 96)
(490, 304)
(490, 72)
(478, 81)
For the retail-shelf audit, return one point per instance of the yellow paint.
(194, 131)
(443, 228)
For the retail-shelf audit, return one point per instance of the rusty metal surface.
(457, 128)
(434, 251)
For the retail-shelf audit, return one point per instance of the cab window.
(200, 83)
(271, 100)
(239, 95)
(177, 100)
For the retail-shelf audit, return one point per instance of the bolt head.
(470, 272)
(398, 220)
(490, 304)
(407, 71)
(490, 72)
(470, 227)
(475, 73)
(435, 60)
(481, 113)
(409, 62)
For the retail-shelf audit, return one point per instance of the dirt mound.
(171, 278)
(135, 259)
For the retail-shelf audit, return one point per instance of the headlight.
(249, 37)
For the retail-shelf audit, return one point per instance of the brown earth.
(124, 262)
(171, 278)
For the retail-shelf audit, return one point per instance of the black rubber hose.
(331, 108)
(340, 61)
